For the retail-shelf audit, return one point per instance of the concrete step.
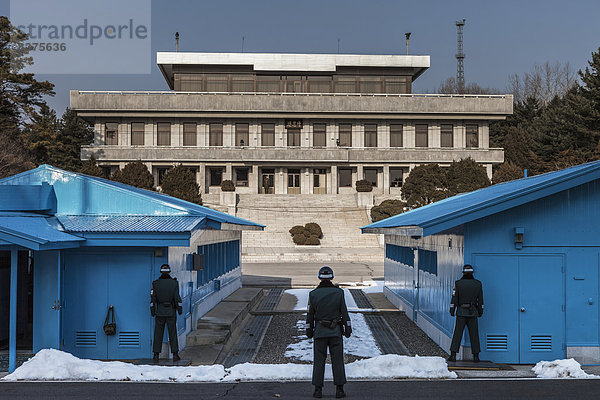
(202, 337)
(231, 311)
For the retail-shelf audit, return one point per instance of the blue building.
(535, 245)
(72, 245)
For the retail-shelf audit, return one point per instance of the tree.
(180, 182)
(465, 176)
(387, 208)
(450, 86)
(507, 171)
(425, 184)
(544, 82)
(135, 174)
(74, 132)
(90, 167)
(41, 137)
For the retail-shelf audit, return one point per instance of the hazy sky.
(501, 37)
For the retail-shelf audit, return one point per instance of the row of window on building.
(267, 133)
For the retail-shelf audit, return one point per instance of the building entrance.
(293, 181)
(320, 181)
(24, 300)
(267, 181)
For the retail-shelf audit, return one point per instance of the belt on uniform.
(331, 324)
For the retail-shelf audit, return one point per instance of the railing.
(292, 94)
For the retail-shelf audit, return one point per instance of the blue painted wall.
(46, 321)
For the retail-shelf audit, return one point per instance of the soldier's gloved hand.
(152, 311)
(480, 312)
(452, 312)
(348, 331)
(179, 311)
(310, 333)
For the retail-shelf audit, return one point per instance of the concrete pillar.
(358, 135)
(359, 173)
(228, 134)
(309, 175)
(176, 135)
(12, 334)
(459, 136)
(488, 169)
(332, 185)
(280, 181)
(124, 134)
(253, 179)
(202, 178)
(306, 135)
(383, 139)
(280, 135)
(228, 172)
(409, 135)
(386, 179)
(148, 134)
(330, 134)
(435, 135)
(484, 136)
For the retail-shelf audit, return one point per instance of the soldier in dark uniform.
(467, 303)
(327, 320)
(164, 300)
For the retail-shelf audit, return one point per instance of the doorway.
(293, 181)
(319, 181)
(267, 181)
(24, 300)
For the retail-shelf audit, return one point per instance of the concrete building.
(290, 123)
(72, 245)
(534, 244)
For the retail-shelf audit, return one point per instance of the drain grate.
(386, 339)
(249, 342)
(361, 300)
(271, 300)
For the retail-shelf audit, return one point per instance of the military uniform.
(164, 301)
(326, 304)
(467, 303)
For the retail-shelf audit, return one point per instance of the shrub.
(297, 230)
(227, 186)
(364, 186)
(314, 229)
(386, 209)
(299, 239)
(90, 167)
(135, 174)
(312, 241)
(180, 182)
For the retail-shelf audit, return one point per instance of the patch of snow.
(302, 296)
(361, 343)
(374, 287)
(560, 369)
(50, 364)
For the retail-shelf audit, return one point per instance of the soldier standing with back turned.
(327, 320)
(467, 302)
(164, 300)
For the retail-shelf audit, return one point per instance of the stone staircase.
(338, 215)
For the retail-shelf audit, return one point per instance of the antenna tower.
(460, 56)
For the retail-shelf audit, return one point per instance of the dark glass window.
(267, 134)
(472, 136)
(421, 135)
(319, 135)
(371, 175)
(395, 84)
(396, 177)
(190, 82)
(189, 134)
(164, 134)
(215, 134)
(447, 135)
(370, 84)
(241, 176)
(370, 135)
(267, 83)
(294, 178)
(242, 83)
(137, 133)
(396, 135)
(293, 137)
(319, 84)
(216, 83)
(294, 84)
(241, 134)
(345, 135)
(345, 84)
(111, 133)
(161, 174)
(215, 176)
(345, 177)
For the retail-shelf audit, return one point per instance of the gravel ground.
(279, 335)
(415, 340)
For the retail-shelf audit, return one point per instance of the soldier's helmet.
(326, 273)
(468, 269)
(165, 269)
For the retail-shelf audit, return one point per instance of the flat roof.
(288, 62)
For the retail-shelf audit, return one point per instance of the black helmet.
(165, 269)
(468, 269)
(326, 273)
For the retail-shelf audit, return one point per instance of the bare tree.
(450, 86)
(543, 82)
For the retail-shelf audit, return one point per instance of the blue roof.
(466, 207)
(36, 232)
(130, 223)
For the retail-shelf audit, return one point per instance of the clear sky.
(500, 37)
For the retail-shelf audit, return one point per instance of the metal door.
(293, 181)
(320, 181)
(541, 305)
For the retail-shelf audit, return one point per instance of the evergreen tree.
(180, 182)
(74, 132)
(387, 208)
(41, 137)
(507, 171)
(90, 167)
(426, 184)
(465, 176)
(135, 174)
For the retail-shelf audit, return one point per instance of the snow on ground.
(302, 296)
(361, 343)
(560, 369)
(50, 364)
(374, 287)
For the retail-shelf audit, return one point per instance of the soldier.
(467, 302)
(327, 320)
(164, 300)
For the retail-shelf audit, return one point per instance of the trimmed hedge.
(314, 229)
(298, 229)
(364, 186)
(386, 209)
(308, 234)
(299, 239)
(312, 241)
(227, 186)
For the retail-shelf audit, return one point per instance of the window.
(137, 133)
(241, 177)
(189, 82)
(267, 134)
(111, 135)
(447, 135)
(189, 134)
(241, 135)
(370, 135)
(421, 135)
(106, 171)
(293, 178)
(215, 134)
(293, 137)
(319, 84)
(370, 84)
(266, 83)
(396, 135)
(160, 172)
(345, 135)
(396, 177)
(242, 83)
(472, 136)
(395, 84)
(319, 135)
(345, 84)
(294, 84)
(371, 176)
(215, 176)
(216, 83)
(345, 177)
(164, 133)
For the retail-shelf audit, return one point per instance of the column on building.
(228, 172)
(484, 136)
(409, 134)
(332, 181)
(434, 135)
(201, 178)
(253, 179)
(386, 179)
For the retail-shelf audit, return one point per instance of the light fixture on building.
(519, 237)
(337, 142)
